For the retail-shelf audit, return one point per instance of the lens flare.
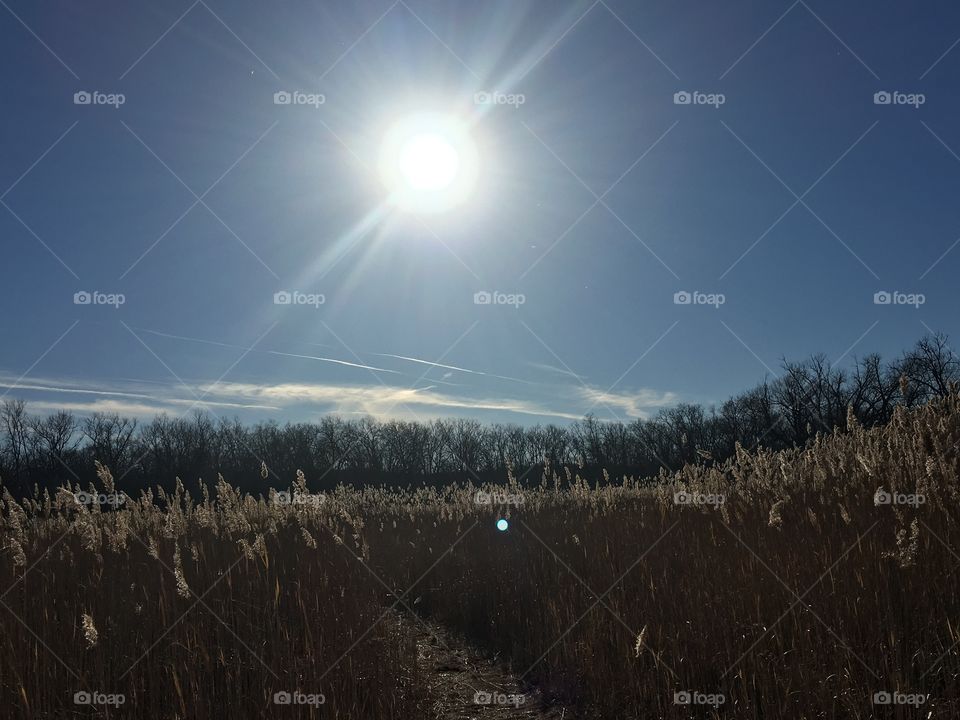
(428, 163)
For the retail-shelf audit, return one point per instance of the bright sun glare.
(428, 163)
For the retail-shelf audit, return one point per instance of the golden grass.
(797, 597)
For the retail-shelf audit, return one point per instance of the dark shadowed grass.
(788, 587)
(798, 596)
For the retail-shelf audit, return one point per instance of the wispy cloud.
(333, 360)
(544, 367)
(345, 363)
(73, 387)
(452, 367)
(637, 404)
(305, 400)
(382, 401)
(171, 336)
(126, 409)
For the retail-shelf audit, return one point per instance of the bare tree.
(53, 439)
(931, 367)
(111, 439)
(14, 448)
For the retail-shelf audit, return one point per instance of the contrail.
(559, 371)
(190, 339)
(35, 387)
(343, 362)
(331, 360)
(452, 367)
(271, 352)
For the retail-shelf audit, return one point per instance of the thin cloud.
(157, 401)
(451, 367)
(191, 339)
(559, 371)
(335, 361)
(300, 400)
(638, 404)
(127, 409)
(332, 360)
(381, 401)
(287, 398)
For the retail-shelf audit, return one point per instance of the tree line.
(808, 397)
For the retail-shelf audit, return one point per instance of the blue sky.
(795, 197)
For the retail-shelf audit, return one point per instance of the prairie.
(814, 582)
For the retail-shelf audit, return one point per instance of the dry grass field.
(809, 583)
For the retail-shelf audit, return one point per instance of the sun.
(428, 163)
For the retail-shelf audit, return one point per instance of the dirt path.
(463, 683)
